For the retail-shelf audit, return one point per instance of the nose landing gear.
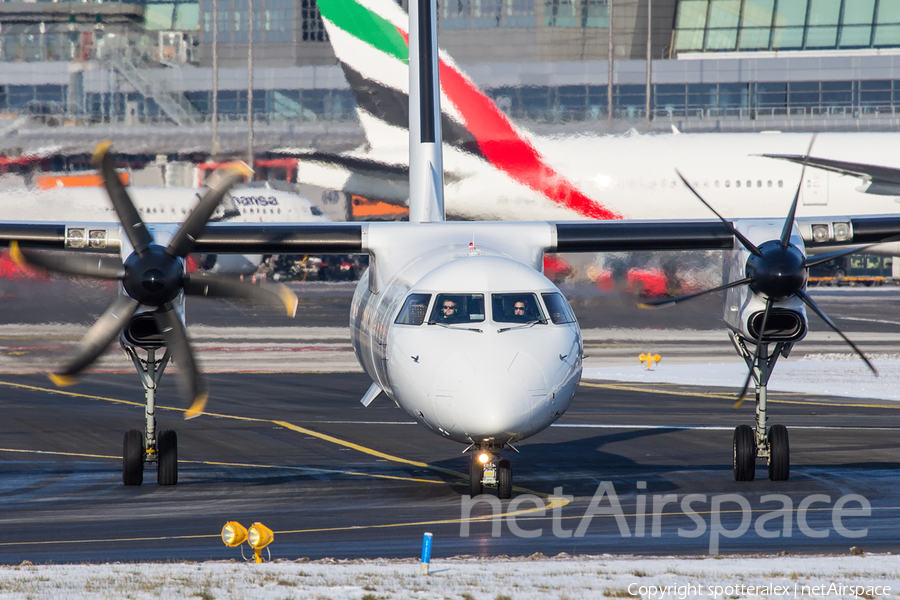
(147, 447)
(486, 469)
(761, 442)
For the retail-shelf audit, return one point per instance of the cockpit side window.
(516, 308)
(559, 309)
(414, 309)
(458, 308)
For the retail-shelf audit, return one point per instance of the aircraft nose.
(493, 405)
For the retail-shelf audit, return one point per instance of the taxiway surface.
(295, 450)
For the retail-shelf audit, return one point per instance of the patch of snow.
(827, 374)
(535, 577)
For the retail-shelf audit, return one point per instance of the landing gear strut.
(148, 447)
(770, 444)
(485, 469)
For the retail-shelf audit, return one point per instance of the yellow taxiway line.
(552, 501)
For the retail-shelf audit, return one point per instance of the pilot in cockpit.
(449, 311)
(518, 311)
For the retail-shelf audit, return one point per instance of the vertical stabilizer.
(426, 165)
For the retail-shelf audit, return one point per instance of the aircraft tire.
(744, 453)
(167, 467)
(133, 458)
(476, 473)
(779, 453)
(504, 480)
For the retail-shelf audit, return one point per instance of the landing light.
(484, 457)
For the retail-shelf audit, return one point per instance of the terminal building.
(728, 65)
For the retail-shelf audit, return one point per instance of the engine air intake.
(783, 325)
(143, 332)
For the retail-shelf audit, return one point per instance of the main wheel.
(504, 480)
(133, 458)
(744, 453)
(476, 473)
(167, 467)
(779, 453)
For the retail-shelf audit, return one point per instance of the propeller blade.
(789, 221)
(101, 267)
(194, 225)
(762, 330)
(815, 308)
(97, 339)
(137, 232)
(667, 301)
(192, 384)
(218, 286)
(740, 236)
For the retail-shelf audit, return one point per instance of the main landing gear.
(487, 469)
(770, 444)
(148, 447)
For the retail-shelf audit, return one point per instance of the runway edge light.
(259, 536)
(425, 569)
(234, 534)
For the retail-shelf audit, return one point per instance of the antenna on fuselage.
(426, 164)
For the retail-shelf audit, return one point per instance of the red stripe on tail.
(505, 149)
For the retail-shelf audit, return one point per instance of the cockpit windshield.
(413, 312)
(458, 308)
(516, 308)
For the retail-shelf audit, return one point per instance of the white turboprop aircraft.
(453, 321)
(495, 170)
(244, 204)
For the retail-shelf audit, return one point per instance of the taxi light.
(259, 537)
(234, 534)
(484, 457)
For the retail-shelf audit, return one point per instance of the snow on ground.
(536, 577)
(828, 374)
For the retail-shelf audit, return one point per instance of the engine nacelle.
(743, 308)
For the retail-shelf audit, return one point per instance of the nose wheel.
(485, 469)
(147, 447)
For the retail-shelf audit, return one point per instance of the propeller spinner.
(152, 276)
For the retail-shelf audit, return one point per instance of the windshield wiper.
(457, 328)
(523, 325)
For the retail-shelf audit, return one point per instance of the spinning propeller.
(154, 277)
(776, 270)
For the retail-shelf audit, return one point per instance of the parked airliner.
(244, 204)
(497, 170)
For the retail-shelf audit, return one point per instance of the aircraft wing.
(350, 238)
(884, 180)
(621, 236)
(217, 238)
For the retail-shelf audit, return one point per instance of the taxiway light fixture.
(650, 359)
(234, 534)
(259, 536)
(484, 457)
